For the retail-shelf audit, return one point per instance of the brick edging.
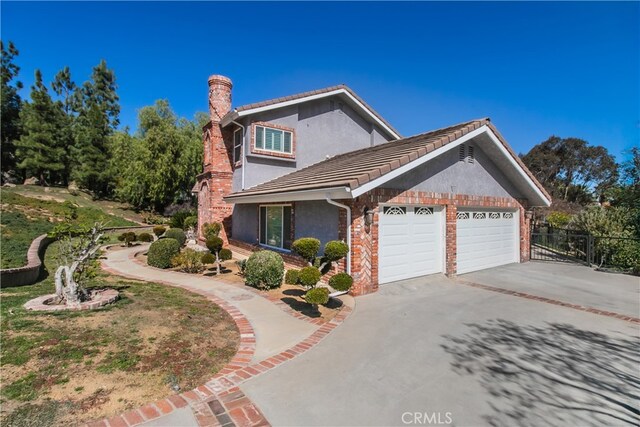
(551, 301)
(220, 400)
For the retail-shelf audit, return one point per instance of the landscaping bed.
(67, 368)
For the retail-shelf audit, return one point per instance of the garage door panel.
(486, 239)
(410, 243)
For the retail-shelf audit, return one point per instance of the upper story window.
(272, 139)
(237, 146)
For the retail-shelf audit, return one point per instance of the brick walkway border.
(220, 402)
(551, 301)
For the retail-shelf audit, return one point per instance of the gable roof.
(359, 171)
(341, 90)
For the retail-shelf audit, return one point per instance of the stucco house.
(324, 164)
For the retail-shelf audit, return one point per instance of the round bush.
(176, 233)
(291, 277)
(264, 270)
(317, 296)
(309, 276)
(162, 251)
(335, 250)
(208, 258)
(341, 282)
(127, 237)
(225, 254)
(145, 237)
(306, 247)
(214, 244)
(159, 230)
(190, 222)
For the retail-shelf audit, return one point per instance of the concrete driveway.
(568, 282)
(430, 351)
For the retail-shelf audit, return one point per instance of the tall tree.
(65, 88)
(159, 164)
(571, 169)
(11, 103)
(98, 109)
(40, 149)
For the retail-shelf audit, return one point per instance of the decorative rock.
(99, 298)
(31, 181)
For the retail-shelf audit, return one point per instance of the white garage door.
(486, 238)
(410, 242)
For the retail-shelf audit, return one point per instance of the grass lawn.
(25, 218)
(69, 368)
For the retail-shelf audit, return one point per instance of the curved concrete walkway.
(275, 330)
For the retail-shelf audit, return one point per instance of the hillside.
(29, 211)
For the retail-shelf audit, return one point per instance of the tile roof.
(356, 168)
(311, 93)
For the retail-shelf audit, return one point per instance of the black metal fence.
(570, 246)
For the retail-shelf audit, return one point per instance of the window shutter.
(287, 142)
(259, 137)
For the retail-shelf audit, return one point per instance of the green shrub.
(264, 270)
(306, 247)
(335, 250)
(176, 233)
(190, 222)
(159, 230)
(225, 254)
(309, 276)
(214, 244)
(162, 251)
(211, 229)
(341, 282)
(291, 277)
(189, 261)
(558, 219)
(145, 237)
(317, 296)
(178, 218)
(242, 266)
(127, 237)
(208, 258)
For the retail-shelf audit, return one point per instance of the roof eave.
(291, 196)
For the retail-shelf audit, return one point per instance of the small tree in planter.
(216, 245)
(335, 250)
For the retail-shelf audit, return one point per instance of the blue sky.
(537, 69)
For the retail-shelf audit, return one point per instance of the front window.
(271, 139)
(237, 145)
(275, 226)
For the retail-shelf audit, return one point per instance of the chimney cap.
(216, 78)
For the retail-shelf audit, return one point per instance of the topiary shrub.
(189, 261)
(176, 233)
(145, 237)
(127, 237)
(291, 277)
(208, 258)
(317, 296)
(225, 254)
(159, 230)
(335, 250)
(190, 222)
(307, 248)
(162, 251)
(341, 282)
(211, 229)
(309, 277)
(264, 270)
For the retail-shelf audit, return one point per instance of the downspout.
(348, 209)
(244, 151)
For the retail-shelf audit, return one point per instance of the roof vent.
(461, 155)
(470, 157)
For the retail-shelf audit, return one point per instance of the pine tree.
(97, 118)
(11, 104)
(40, 149)
(65, 88)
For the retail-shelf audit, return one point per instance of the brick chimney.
(216, 180)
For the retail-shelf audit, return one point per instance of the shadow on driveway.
(557, 374)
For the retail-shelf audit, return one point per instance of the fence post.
(590, 251)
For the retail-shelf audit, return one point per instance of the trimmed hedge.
(335, 250)
(264, 270)
(225, 254)
(208, 258)
(214, 244)
(162, 251)
(317, 296)
(145, 237)
(309, 276)
(159, 230)
(306, 247)
(341, 282)
(177, 234)
(291, 277)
